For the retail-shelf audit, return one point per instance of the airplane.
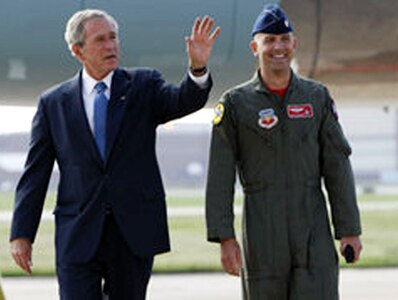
(350, 45)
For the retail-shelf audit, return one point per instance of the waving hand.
(200, 43)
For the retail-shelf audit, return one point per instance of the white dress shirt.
(89, 92)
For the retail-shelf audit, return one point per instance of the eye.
(113, 36)
(269, 40)
(286, 39)
(100, 38)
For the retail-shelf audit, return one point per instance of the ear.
(253, 47)
(77, 52)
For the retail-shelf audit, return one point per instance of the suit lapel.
(121, 84)
(77, 117)
(74, 109)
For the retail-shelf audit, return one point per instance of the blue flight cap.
(272, 20)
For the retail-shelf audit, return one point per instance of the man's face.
(274, 51)
(100, 53)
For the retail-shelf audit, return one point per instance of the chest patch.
(300, 111)
(267, 119)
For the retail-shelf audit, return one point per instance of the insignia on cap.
(267, 119)
(218, 113)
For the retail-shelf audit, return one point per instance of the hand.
(356, 244)
(21, 251)
(200, 43)
(231, 256)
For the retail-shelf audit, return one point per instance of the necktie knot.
(100, 87)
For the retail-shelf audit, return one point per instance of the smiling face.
(100, 53)
(274, 51)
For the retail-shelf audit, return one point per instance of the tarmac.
(355, 284)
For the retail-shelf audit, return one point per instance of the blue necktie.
(100, 107)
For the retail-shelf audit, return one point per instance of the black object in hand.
(349, 254)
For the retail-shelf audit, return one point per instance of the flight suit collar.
(258, 84)
(260, 87)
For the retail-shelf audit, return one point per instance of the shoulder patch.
(218, 113)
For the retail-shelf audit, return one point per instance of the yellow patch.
(218, 113)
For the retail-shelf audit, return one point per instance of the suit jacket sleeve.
(175, 101)
(32, 187)
(338, 175)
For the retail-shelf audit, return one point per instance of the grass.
(191, 252)
(380, 239)
(6, 200)
(377, 198)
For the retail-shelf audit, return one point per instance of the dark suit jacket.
(128, 180)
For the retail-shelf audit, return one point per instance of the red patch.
(300, 111)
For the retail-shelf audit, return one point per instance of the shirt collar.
(89, 82)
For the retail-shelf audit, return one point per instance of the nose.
(280, 45)
(111, 43)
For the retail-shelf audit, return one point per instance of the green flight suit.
(281, 151)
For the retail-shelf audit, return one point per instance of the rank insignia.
(268, 119)
(300, 111)
(218, 113)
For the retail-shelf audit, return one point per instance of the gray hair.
(74, 32)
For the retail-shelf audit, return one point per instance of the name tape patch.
(300, 111)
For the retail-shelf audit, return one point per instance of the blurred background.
(349, 45)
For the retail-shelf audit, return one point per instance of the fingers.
(196, 25)
(232, 265)
(26, 265)
(200, 44)
(231, 257)
(21, 251)
(356, 244)
(204, 27)
(215, 34)
(23, 260)
(357, 250)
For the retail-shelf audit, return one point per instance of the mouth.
(111, 57)
(279, 56)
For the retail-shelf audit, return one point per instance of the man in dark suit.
(100, 128)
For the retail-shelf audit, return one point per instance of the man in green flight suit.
(280, 132)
